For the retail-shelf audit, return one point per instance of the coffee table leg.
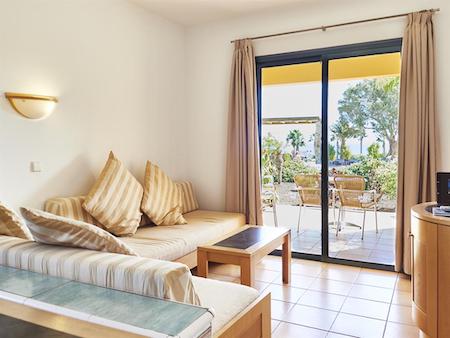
(287, 258)
(202, 264)
(247, 272)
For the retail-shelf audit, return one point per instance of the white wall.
(209, 58)
(119, 74)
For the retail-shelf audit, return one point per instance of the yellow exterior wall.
(339, 69)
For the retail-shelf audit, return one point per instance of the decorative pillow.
(188, 200)
(57, 230)
(70, 207)
(162, 197)
(12, 224)
(115, 199)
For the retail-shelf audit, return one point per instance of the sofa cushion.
(225, 299)
(188, 199)
(144, 276)
(57, 230)
(171, 243)
(162, 197)
(71, 207)
(115, 199)
(11, 224)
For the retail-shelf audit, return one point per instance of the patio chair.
(308, 187)
(269, 197)
(352, 194)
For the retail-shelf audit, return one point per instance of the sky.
(302, 100)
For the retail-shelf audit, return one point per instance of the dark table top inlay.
(246, 238)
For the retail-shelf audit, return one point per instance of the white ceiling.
(191, 12)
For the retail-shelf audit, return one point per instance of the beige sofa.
(172, 243)
(239, 310)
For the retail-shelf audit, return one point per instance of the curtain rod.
(324, 28)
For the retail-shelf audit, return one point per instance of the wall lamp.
(32, 106)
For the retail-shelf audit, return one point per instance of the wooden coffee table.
(246, 247)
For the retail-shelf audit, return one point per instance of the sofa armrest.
(140, 275)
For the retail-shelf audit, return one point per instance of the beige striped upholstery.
(176, 241)
(12, 224)
(144, 276)
(57, 230)
(115, 199)
(71, 207)
(162, 197)
(188, 200)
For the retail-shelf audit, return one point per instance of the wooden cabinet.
(430, 251)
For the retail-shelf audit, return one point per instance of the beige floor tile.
(266, 275)
(270, 264)
(306, 270)
(311, 317)
(275, 324)
(337, 335)
(395, 330)
(298, 281)
(331, 286)
(401, 314)
(371, 293)
(223, 278)
(375, 279)
(260, 286)
(280, 309)
(403, 283)
(366, 308)
(287, 330)
(342, 275)
(285, 293)
(322, 300)
(225, 269)
(402, 298)
(358, 326)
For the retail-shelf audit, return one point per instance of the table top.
(422, 211)
(122, 310)
(247, 239)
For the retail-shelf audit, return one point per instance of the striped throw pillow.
(70, 207)
(12, 224)
(57, 230)
(115, 199)
(162, 197)
(188, 200)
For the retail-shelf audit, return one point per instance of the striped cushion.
(188, 200)
(12, 224)
(52, 229)
(162, 197)
(70, 207)
(143, 276)
(115, 199)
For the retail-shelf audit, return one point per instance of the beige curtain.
(417, 129)
(243, 181)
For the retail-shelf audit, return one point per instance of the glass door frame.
(324, 55)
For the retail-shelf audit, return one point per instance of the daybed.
(239, 310)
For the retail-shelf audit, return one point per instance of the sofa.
(239, 311)
(171, 243)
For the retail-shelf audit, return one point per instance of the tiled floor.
(328, 300)
(375, 247)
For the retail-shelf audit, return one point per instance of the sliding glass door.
(328, 126)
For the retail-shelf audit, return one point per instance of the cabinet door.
(444, 281)
(424, 275)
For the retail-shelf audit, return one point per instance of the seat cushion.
(225, 299)
(11, 224)
(171, 243)
(58, 230)
(115, 199)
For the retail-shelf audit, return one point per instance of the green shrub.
(295, 167)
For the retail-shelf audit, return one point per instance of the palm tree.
(342, 131)
(296, 140)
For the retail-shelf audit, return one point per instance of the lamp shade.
(32, 106)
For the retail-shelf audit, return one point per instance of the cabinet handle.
(411, 236)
